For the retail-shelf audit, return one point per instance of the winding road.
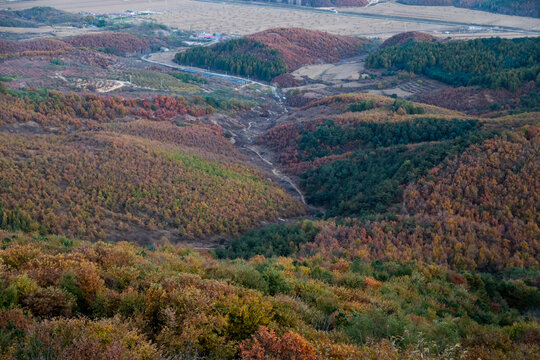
(208, 73)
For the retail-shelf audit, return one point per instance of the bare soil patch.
(246, 19)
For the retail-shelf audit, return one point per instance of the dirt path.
(245, 130)
(250, 132)
(246, 140)
(277, 172)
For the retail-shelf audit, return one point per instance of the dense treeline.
(299, 47)
(271, 241)
(510, 7)
(111, 42)
(491, 62)
(244, 57)
(372, 179)
(53, 108)
(362, 167)
(329, 138)
(40, 15)
(477, 210)
(98, 184)
(66, 299)
(188, 78)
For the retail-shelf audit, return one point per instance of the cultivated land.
(250, 18)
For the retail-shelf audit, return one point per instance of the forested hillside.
(37, 16)
(95, 185)
(95, 173)
(147, 213)
(110, 42)
(494, 63)
(65, 299)
(510, 7)
(33, 47)
(486, 102)
(410, 36)
(475, 211)
(273, 52)
(53, 108)
(244, 57)
(450, 190)
(299, 47)
(358, 162)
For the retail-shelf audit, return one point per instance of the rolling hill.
(111, 42)
(299, 47)
(154, 221)
(37, 16)
(415, 177)
(494, 63)
(273, 52)
(116, 184)
(352, 163)
(411, 36)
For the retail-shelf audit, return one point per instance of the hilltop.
(488, 75)
(411, 36)
(274, 52)
(299, 47)
(38, 16)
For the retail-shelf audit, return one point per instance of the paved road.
(207, 73)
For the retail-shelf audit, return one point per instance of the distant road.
(203, 72)
(207, 73)
(374, 16)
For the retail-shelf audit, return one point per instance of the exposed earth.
(248, 18)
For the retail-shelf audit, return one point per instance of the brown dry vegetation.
(299, 47)
(402, 38)
(94, 184)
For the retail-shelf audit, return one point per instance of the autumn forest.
(159, 209)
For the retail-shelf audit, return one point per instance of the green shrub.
(361, 105)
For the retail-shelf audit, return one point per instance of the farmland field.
(249, 18)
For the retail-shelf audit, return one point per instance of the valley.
(327, 187)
